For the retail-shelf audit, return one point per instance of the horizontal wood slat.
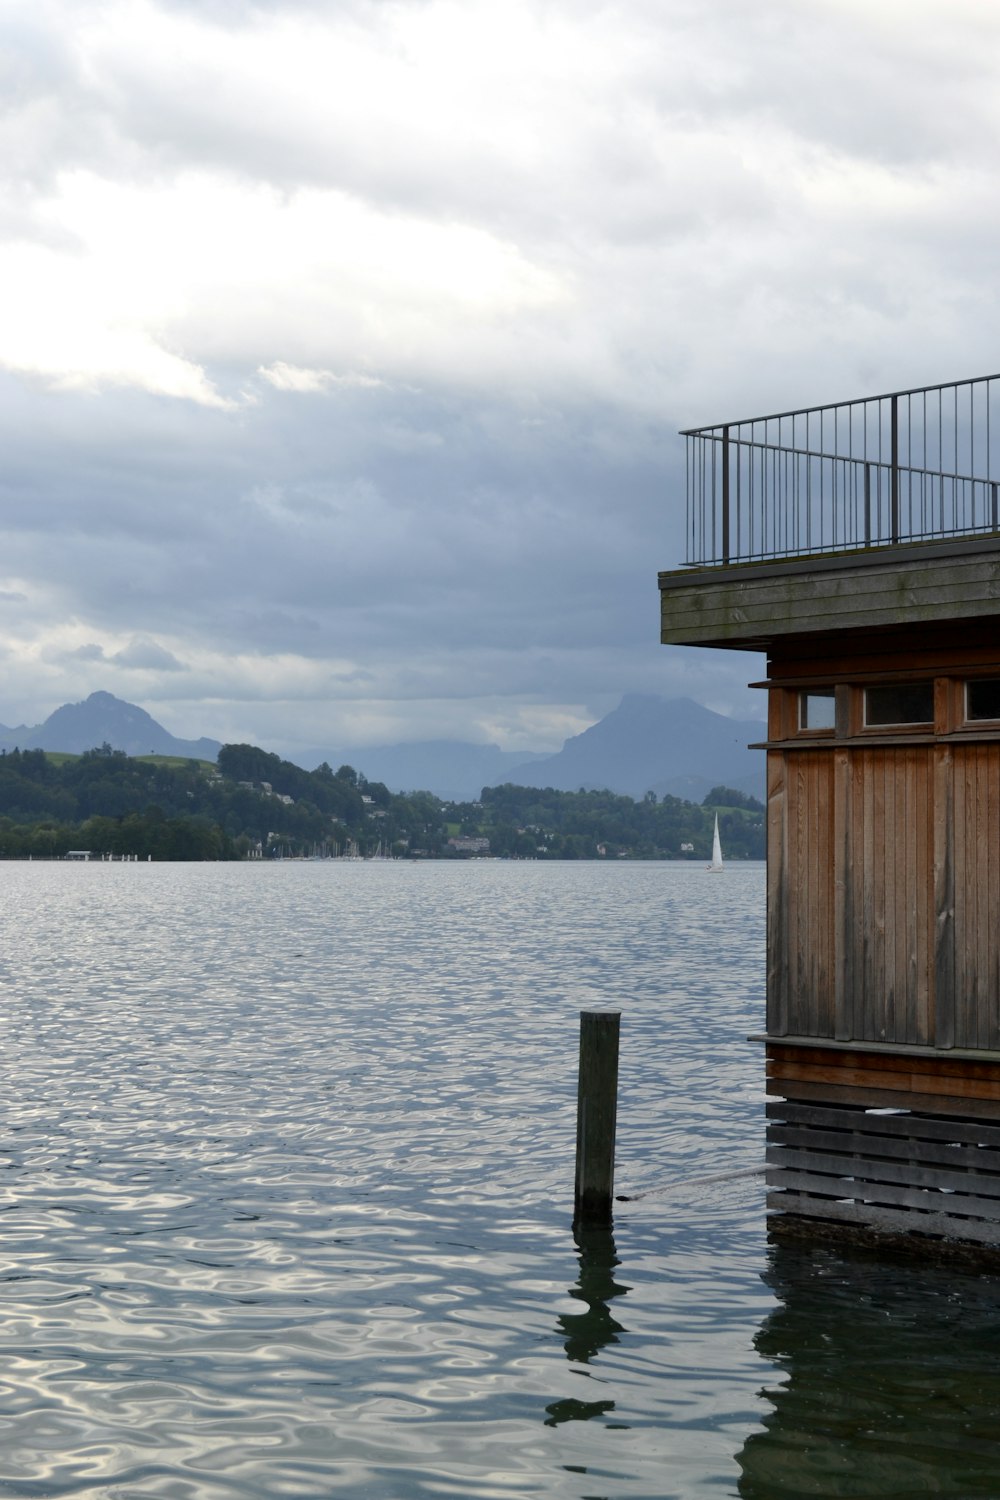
(871, 1098)
(934, 1174)
(899, 1123)
(886, 1220)
(954, 1154)
(942, 1064)
(876, 1173)
(898, 1195)
(892, 655)
(890, 1080)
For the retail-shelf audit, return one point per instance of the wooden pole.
(596, 1110)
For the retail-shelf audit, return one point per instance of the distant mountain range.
(453, 770)
(650, 744)
(104, 719)
(647, 744)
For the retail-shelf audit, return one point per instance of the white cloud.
(147, 656)
(285, 377)
(154, 282)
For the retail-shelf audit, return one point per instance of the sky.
(344, 346)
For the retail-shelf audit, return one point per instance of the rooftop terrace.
(877, 472)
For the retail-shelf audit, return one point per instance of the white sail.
(716, 864)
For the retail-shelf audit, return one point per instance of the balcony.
(882, 471)
(873, 515)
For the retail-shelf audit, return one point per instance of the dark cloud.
(346, 348)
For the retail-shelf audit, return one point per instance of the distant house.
(470, 845)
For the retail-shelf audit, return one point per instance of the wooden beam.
(753, 609)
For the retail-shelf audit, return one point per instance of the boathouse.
(857, 545)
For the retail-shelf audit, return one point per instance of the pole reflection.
(886, 1381)
(594, 1328)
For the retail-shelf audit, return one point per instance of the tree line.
(253, 804)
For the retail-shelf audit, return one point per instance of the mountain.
(647, 743)
(661, 745)
(453, 770)
(104, 719)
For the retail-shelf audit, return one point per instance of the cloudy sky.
(344, 343)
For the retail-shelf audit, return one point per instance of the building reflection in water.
(886, 1381)
(594, 1327)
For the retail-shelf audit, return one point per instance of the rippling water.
(287, 1170)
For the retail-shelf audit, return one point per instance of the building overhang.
(756, 606)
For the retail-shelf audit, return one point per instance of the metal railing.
(880, 471)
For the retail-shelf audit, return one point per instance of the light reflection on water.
(286, 1179)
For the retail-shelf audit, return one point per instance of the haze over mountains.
(650, 744)
(647, 744)
(666, 746)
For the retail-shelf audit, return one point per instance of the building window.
(982, 699)
(817, 709)
(900, 703)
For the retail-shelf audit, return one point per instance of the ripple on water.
(285, 1171)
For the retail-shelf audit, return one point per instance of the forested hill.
(252, 804)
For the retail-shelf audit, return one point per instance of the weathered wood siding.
(851, 894)
(976, 837)
(931, 1165)
(883, 838)
(801, 938)
(887, 953)
(757, 604)
(917, 1079)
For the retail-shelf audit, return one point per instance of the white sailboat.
(716, 866)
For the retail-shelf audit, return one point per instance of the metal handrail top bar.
(806, 411)
(844, 458)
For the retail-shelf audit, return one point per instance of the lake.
(287, 1180)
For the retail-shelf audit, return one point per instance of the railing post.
(725, 494)
(894, 465)
(868, 505)
(994, 508)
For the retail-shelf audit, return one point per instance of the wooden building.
(858, 546)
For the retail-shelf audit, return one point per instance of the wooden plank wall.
(884, 893)
(977, 896)
(906, 1173)
(945, 1084)
(801, 894)
(891, 1143)
(889, 891)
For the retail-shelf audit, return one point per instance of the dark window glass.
(902, 703)
(982, 699)
(817, 709)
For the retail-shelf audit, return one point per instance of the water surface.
(286, 1162)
